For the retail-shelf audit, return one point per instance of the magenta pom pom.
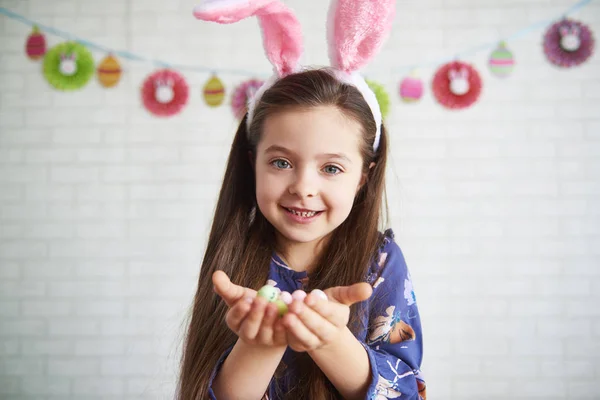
(568, 43)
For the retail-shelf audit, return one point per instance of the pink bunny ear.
(357, 30)
(282, 33)
(564, 30)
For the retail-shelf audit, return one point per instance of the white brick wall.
(104, 209)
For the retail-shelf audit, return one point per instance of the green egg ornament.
(282, 308)
(268, 292)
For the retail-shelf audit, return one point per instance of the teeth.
(303, 213)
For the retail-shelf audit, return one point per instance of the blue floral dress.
(393, 338)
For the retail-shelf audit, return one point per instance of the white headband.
(356, 31)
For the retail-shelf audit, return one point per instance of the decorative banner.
(68, 66)
(164, 93)
(241, 94)
(456, 85)
(36, 44)
(382, 97)
(411, 88)
(109, 71)
(501, 61)
(214, 92)
(568, 43)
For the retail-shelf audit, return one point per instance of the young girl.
(299, 209)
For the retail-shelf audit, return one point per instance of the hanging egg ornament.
(36, 44)
(502, 62)
(109, 71)
(568, 43)
(214, 92)
(411, 89)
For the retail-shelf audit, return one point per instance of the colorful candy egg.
(36, 44)
(282, 308)
(214, 92)
(411, 89)
(269, 293)
(501, 61)
(109, 71)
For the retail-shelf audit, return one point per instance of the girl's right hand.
(252, 318)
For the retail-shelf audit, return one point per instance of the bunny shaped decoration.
(68, 64)
(459, 81)
(569, 38)
(356, 31)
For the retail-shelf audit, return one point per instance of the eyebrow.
(275, 148)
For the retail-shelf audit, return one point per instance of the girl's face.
(308, 171)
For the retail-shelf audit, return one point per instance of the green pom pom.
(269, 293)
(382, 97)
(282, 308)
(83, 71)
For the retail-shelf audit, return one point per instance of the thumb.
(349, 295)
(228, 291)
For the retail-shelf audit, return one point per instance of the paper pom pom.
(36, 44)
(456, 85)
(411, 89)
(568, 43)
(382, 97)
(164, 93)
(501, 61)
(68, 66)
(241, 94)
(109, 71)
(214, 92)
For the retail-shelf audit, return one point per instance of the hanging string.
(198, 68)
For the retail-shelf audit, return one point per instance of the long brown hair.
(241, 240)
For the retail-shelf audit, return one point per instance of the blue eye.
(332, 170)
(281, 164)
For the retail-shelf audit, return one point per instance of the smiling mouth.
(302, 213)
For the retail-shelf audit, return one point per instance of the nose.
(304, 184)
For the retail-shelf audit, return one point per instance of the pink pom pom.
(299, 295)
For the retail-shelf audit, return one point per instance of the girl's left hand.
(316, 323)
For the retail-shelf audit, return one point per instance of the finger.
(229, 291)
(279, 333)
(299, 332)
(349, 295)
(251, 324)
(236, 314)
(316, 324)
(333, 312)
(265, 333)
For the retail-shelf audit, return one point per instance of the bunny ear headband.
(356, 31)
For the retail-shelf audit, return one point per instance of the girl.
(299, 208)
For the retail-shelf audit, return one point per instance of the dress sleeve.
(211, 393)
(394, 339)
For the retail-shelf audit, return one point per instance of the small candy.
(320, 294)
(268, 292)
(282, 308)
(299, 295)
(286, 297)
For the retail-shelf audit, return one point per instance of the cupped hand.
(316, 323)
(252, 318)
